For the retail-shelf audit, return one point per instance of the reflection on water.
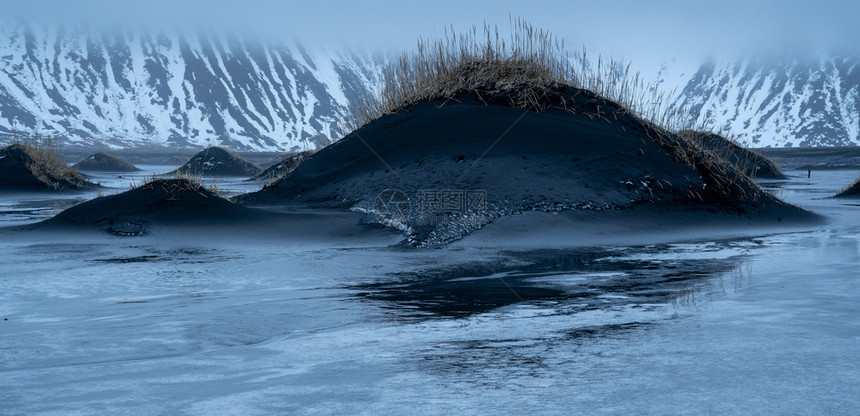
(569, 281)
(534, 315)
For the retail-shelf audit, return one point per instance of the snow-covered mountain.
(144, 90)
(769, 102)
(159, 89)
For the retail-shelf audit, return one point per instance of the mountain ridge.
(138, 90)
(767, 102)
(167, 90)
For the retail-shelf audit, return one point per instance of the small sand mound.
(162, 201)
(105, 162)
(748, 161)
(853, 191)
(216, 161)
(25, 168)
(284, 166)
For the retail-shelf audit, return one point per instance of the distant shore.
(814, 158)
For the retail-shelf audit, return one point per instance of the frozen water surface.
(157, 325)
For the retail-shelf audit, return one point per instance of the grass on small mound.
(723, 148)
(283, 167)
(46, 167)
(178, 184)
(195, 165)
(532, 70)
(179, 181)
(528, 68)
(852, 190)
(106, 162)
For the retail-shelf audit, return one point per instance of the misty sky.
(645, 32)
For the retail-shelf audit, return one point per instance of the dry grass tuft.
(179, 182)
(283, 167)
(175, 185)
(192, 182)
(850, 190)
(531, 69)
(744, 160)
(195, 179)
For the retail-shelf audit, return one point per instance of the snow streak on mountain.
(769, 102)
(144, 90)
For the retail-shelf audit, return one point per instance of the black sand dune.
(752, 163)
(439, 170)
(852, 191)
(23, 168)
(283, 166)
(216, 161)
(162, 201)
(181, 208)
(105, 162)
